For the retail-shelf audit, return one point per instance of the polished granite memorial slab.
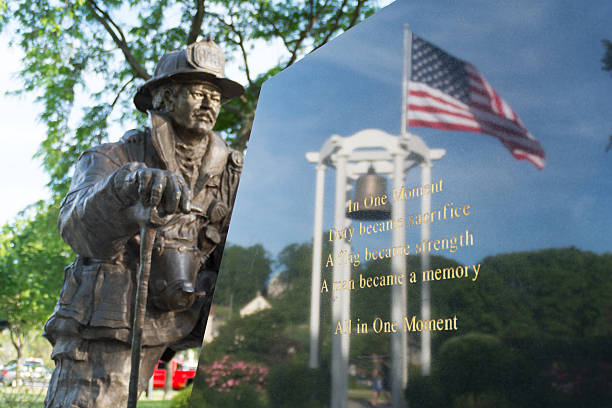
(446, 272)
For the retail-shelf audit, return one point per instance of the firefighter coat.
(97, 297)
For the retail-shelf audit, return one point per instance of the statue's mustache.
(207, 114)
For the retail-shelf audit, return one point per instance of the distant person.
(377, 386)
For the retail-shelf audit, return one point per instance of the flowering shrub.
(233, 383)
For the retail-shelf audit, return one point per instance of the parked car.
(33, 372)
(181, 374)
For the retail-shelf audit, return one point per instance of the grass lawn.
(24, 397)
(156, 400)
(365, 394)
(153, 404)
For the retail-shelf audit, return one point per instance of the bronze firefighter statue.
(187, 176)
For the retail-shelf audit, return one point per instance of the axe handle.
(147, 237)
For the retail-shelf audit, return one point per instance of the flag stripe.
(482, 101)
(478, 91)
(454, 118)
(477, 112)
(425, 119)
(487, 125)
(435, 109)
(432, 114)
(444, 117)
(534, 159)
(443, 125)
(508, 111)
(436, 103)
(431, 96)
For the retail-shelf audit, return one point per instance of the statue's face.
(195, 107)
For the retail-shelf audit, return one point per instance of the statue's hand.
(161, 189)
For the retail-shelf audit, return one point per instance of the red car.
(181, 375)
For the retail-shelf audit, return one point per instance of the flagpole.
(405, 94)
(426, 166)
(407, 71)
(407, 68)
(425, 203)
(399, 295)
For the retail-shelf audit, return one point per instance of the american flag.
(448, 93)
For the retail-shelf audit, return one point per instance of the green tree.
(294, 263)
(99, 51)
(607, 66)
(376, 302)
(472, 363)
(261, 337)
(534, 331)
(244, 272)
(607, 58)
(31, 271)
(546, 294)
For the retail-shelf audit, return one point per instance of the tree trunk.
(19, 366)
(18, 345)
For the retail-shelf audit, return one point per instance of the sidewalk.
(360, 403)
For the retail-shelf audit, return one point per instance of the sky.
(543, 58)
(22, 134)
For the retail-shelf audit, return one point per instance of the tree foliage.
(294, 263)
(243, 273)
(607, 58)
(31, 272)
(552, 293)
(534, 329)
(607, 66)
(95, 53)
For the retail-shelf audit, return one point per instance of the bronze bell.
(367, 203)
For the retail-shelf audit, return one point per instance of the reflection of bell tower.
(369, 188)
(365, 156)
